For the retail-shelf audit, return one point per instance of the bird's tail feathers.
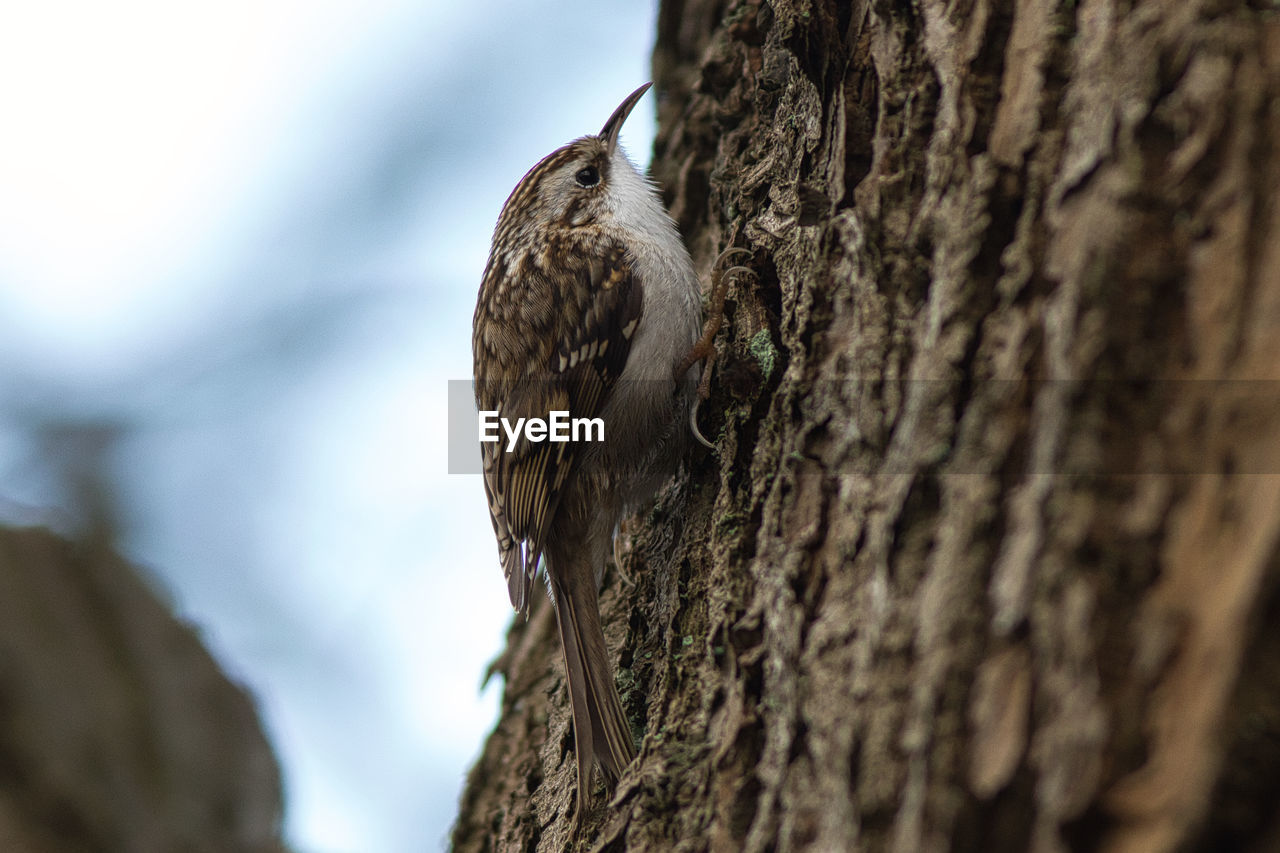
(600, 728)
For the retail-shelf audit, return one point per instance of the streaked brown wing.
(575, 324)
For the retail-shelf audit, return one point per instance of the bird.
(589, 304)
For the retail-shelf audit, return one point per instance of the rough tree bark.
(988, 557)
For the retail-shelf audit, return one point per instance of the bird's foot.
(704, 349)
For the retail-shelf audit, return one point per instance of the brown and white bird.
(589, 304)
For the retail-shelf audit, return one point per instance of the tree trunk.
(987, 557)
(118, 733)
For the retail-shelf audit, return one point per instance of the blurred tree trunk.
(988, 557)
(118, 733)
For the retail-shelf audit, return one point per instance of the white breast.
(672, 303)
(646, 418)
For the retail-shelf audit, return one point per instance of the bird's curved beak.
(609, 133)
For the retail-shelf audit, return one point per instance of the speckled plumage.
(589, 303)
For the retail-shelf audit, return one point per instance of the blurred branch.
(117, 730)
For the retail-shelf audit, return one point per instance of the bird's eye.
(587, 177)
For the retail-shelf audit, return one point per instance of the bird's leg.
(704, 349)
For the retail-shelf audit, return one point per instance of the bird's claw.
(704, 349)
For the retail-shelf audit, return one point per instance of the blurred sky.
(239, 251)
